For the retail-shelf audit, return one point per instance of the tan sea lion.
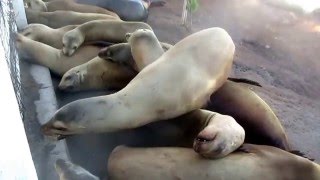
(259, 121)
(120, 110)
(59, 19)
(39, 5)
(47, 35)
(252, 162)
(69, 171)
(99, 30)
(54, 59)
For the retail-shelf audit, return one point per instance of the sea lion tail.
(301, 154)
(243, 80)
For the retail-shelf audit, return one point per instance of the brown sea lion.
(39, 5)
(47, 35)
(252, 162)
(259, 121)
(120, 110)
(96, 74)
(54, 59)
(99, 30)
(58, 19)
(69, 171)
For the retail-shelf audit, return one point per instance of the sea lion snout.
(69, 81)
(105, 54)
(222, 136)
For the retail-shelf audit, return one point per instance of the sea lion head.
(69, 171)
(118, 53)
(37, 5)
(71, 41)
(141, 38)
(219, 138)
(72, 79)
(71, 119)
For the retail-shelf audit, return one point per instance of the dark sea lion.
(96, 74)
(42, 54)
(39, 5)
(58, 19)
(99, 30)
(116, 111)
(252, 162)
(257, 118)
(128, 10)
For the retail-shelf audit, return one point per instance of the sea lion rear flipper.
(243, 80)
(301, 154)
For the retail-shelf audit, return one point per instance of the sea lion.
(257, 118)
(259, 121)
(54, 59)
(96, 74)
(58, 19)
(99, 30)
(120, 110)
(69, 171)
(39, 5)
(128, 10)
(251, 162)
(47, 35)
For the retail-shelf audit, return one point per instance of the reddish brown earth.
(277, 46)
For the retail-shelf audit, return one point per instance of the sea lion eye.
(74, 47)
(109, 53)
(68, 77)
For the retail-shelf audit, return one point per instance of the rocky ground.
(276, 45)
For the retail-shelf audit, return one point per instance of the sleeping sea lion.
(99, 30)
(119, 110)
(39, 5)
(54, 59)
(59, 19)
(259, 121)
(98, 74)
(250, 162)
(39, 32)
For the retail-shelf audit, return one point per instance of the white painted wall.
(15, 157)
(21, 19)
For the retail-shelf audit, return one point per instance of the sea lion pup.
(96, 74)
(254, 162)
(47, 35)
(39, 5)
(69, 171)
(150, 88)
(58, 19)
(54, 59)
(99, 30)
(259, 121)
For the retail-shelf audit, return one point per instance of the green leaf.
(192, 5)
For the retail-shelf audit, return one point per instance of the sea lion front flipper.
(247, 148)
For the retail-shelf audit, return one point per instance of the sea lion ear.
(128, 35)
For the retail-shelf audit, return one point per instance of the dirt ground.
(276, 45)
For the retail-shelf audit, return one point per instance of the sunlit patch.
(306, 5)
(316, 28)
